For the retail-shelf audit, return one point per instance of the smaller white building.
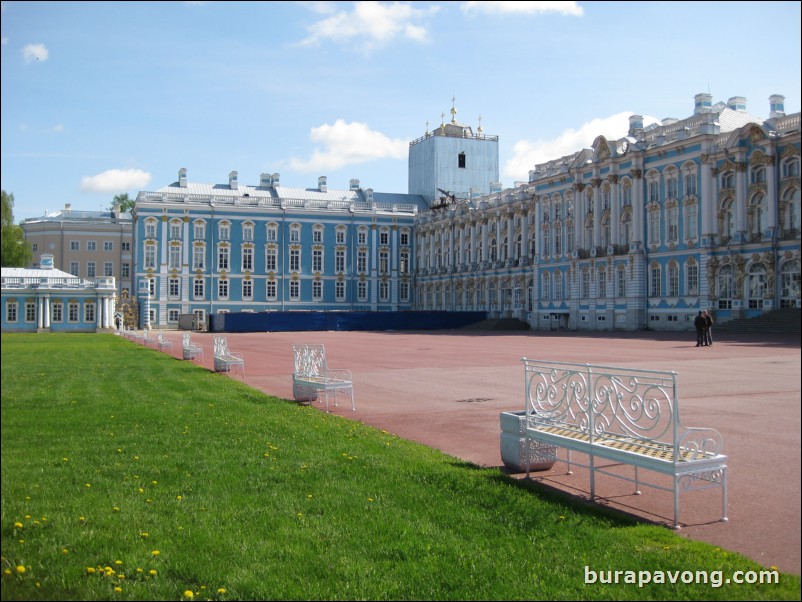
(46, 299)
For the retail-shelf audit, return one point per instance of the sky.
(106, 98)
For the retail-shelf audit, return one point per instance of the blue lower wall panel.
(296, 321)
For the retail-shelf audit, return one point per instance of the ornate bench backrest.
(220, 346)
(602, 400)
(310, 360)
(187, 340)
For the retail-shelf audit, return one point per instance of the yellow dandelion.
(118, 562)
(138, 570)
(90, 570)
(7, 572)
(154, 482)
(36, 523)
(88, 485)
(144, 534)
(116, 509)
(221, 590)
(155, 552)
(178, 497)
(189, 594)
(20, 569)
(141, 490)
(18, 525)
(22, 541)
(65, 551)
(153, 572)
(118, 589)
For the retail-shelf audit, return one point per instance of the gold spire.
(479, 129)
(453, 110)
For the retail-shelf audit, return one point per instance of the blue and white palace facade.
(633, 233)
(203, 249)
(638, 232)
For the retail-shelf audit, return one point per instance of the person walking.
(708, 338)
(699, 323)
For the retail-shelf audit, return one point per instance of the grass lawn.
(128, 474)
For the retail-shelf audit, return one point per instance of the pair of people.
(704, 329)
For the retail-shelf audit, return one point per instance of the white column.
(740, 200)
(637, 206)
(511, 235)
(708, 200)
(771, 197)
(615, 210)
(484, 240)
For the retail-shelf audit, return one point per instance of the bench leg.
(353, 405)
(592, 478)
(569, 463)
(724, 518)
(637, 481)
(676, 503)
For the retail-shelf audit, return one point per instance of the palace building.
(637, 232)
(633, 233)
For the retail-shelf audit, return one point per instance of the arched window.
(757, 285)
(725, 285)
(789, 284)
(759, 216)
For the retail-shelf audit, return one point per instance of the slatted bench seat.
(190, 349)
(626, 416)
(225, 360)
(312, 377)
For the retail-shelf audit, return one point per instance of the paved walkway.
(446, 389)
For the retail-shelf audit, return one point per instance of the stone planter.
(516, 449)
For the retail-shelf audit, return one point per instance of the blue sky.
(103, 98)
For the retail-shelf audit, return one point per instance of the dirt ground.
(445, 389)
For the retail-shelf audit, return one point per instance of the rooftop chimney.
(182, 177)
(777, 106)
(737, 103)
(702, 103)
(635, 125)
(232, 181)
(321, 184)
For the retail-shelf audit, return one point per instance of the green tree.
(124, 201)
(16, 251)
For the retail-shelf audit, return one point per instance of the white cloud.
(35, 52)
(344, 144)
(519, 7)
(528, 153)
(370, 25)
(116, 180)
(57, 129)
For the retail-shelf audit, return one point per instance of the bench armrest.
(701, 442)
(339, 374)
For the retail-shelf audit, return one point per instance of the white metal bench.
(163, 342)
(147, 339)
(313, 378)
(190, 349)
(225, 360)
(624, 416)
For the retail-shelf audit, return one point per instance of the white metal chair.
(164, 343)
(313, 378)
(190, 349)
(225, 360)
